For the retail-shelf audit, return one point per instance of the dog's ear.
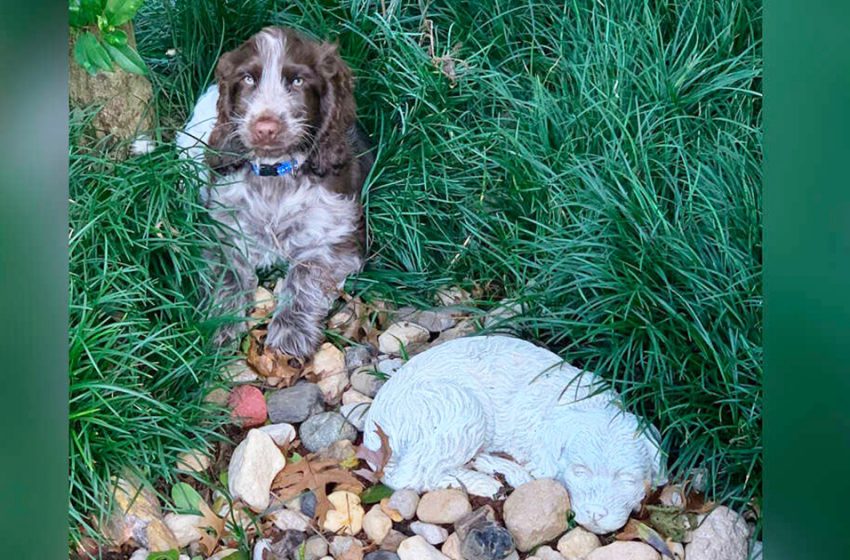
(331, 149)
(650, 437)
(223, 142)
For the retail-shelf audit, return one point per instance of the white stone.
(328, 360)
(547, 553)
(533, 391)
(315, 547)
(355, 413)
(281, 434)
(451, 547)
(376, 524)
(341, 544)
(240, 372)
(346, 517)
(432, 534)
(442, 506)
(355, 397)
(416, 548)
(404, 501)
(536, 513)
(290, 519)
(402, 334)
(722, 535)
(453, 295)
(264, 303)
(186, 527)
(388, 366)
(624, 550)
(332, 387)
(260, 548)
(577, 544)
(193, 461)
(253, 466)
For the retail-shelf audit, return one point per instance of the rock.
(261, 547)
(678, 550)
(512, 556)
(453, 296)
(287, 544)
(253, 466)
(295, 404)
(240, 372)
(547, 553)
(577, 544)
(247, 406)
(443, 506)
(432, 534)
(392, 541)
(341, 451)
(355, 414)
(193, 461)
(366, 381)
(381, 555)
(755, 554)
(460, 330)
(357, 356)
(341, 548)
(353, 396)
(287, 519)
(264, 303)
(346, 517)
(405, 502)
(624, 550)
(486, 540)
(416, 548)
(323, 429)
(315, 547)
(217, 396)
(673, 496)
(376, 524)
(328, 361)
(281, 434)
(722, 535)
(536, 512)
(451, 547)
(140, 554)
(137, 515)
(388, 366)
(481, 516)
(308, 504)
(332, 387)
(435, 320)
(504, 311)
(390, 512)
(186, 528)
(402, 334)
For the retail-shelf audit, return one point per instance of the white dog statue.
(451, 409)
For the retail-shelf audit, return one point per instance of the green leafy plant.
(101, 43)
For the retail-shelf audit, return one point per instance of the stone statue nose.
(597, 512)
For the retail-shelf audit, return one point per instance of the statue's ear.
(650, 437)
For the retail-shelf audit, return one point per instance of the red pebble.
(248, 406)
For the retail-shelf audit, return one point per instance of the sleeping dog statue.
(454, 413)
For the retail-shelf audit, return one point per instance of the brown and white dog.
(288, 165)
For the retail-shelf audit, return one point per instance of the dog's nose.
(266, 129)
(597, 512)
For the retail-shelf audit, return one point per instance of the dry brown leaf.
(380, 457)
(209, 541)
(312, 474)
(270, 363)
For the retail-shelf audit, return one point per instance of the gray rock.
(357, 356)
(323, 429)
(295, 404)
(287, 543)
(389, 366)
(315, 548)
(479, 517)
(366, 380)
(381, 555)
(355, 414)
(435, 320)
(487, 541)
(308, 504)
(404, 501)
(433, 534)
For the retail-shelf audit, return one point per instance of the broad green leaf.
(127, 59)
(238, 555)
(83, 12)
(116, 37)
(167, 555)
(90, 54)
(119, 12)
(375, 494)
(185, 497)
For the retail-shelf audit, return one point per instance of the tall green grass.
(598, 161)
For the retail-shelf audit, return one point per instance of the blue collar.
(278, 169)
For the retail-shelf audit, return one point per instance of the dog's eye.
(581, 470)
(297, 81)
(248, 79)
(625, 478)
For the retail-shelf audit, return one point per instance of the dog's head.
(281, 93)
(607, 462)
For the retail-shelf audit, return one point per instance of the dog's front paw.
(228, 334)
(293, 337)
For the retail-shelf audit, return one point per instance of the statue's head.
(607, 463)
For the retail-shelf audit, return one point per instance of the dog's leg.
(474, 482)
(514, 473)
(308, 292)
(233, 292)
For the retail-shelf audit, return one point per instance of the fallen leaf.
(375, 494)
(312, 474)
(188, 500)
(635, 530)
(270, 363)
(380, 457)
